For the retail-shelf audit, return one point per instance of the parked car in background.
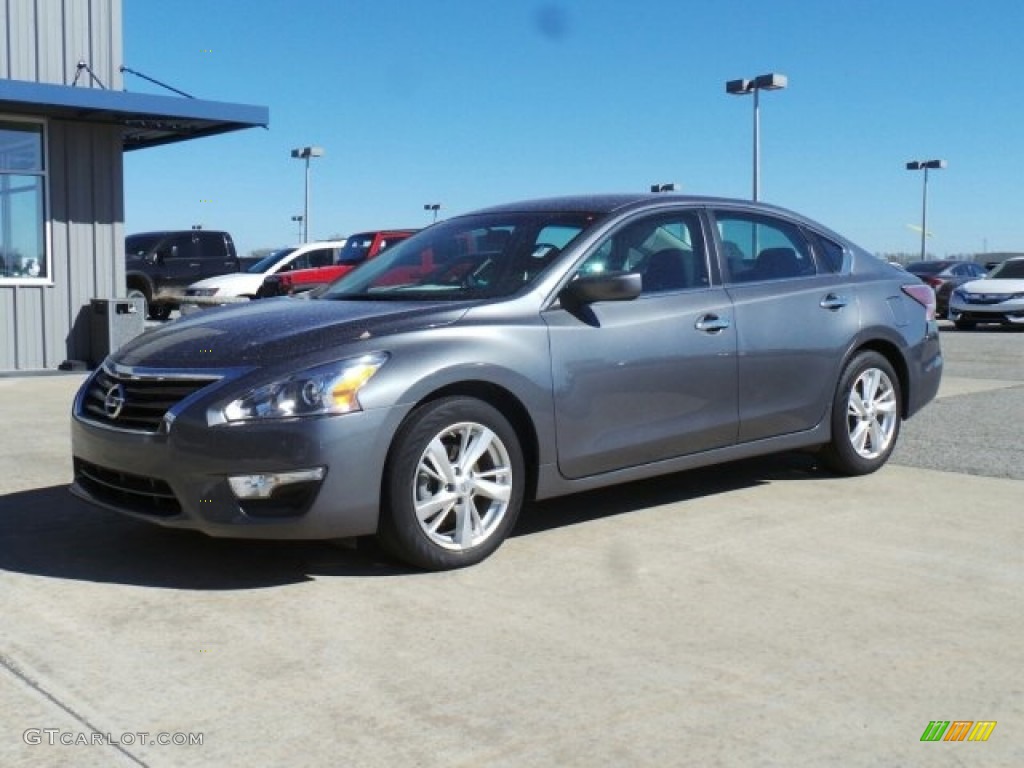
(160, 265)
(945, 275)
(242, 286)
(358, 248)
(997, 298)
(523, 351)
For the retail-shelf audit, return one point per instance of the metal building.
(65, 122)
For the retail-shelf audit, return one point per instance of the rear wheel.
(866, 416)
(453, 485)
(160, 311)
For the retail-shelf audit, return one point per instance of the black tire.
(463, 522)
(866, 416)
(160, 311)
(964, 325)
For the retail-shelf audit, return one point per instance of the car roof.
(623, 202)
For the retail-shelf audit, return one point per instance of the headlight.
(202, 291)
(326, 389)
(960, 294)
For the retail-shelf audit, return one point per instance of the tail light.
(934, 282)
(923, 295)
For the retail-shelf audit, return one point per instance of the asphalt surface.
(761, 613)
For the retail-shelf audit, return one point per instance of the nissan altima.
(524, 351)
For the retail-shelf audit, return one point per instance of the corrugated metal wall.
(43, 41)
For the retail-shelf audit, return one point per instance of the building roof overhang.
(146, 120)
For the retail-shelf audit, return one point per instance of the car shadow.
(50, 533)
(559, 512)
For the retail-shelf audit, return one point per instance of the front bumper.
(1009, 312)
(178, 476)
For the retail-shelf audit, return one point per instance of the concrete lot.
(757, 614)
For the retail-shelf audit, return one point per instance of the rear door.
(640, 381)
(795, 316)
(214, 255)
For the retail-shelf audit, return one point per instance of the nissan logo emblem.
(113, 401)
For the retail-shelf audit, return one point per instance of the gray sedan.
(523, 351)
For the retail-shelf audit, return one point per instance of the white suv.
(242, 286)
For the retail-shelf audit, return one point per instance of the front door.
(641, 381)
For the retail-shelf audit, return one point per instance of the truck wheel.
(160, 311)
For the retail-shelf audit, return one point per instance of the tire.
(964, 325)
(866, 416)
(464, 512)
(160, 311)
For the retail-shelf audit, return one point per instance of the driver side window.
(667, 250)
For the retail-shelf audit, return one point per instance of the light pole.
(924, 165)
(434, 207)
(770, 82)
(305, 153)
(299, 218)
(670, 187)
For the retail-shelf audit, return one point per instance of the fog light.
(261, 486)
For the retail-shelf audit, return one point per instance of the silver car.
(997, 298)
(521, 352)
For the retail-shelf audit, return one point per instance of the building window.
(22, 202)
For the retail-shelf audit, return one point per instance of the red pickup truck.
(358, 248)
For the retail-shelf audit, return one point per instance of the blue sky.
(474, 102)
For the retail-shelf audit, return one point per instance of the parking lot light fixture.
(925, 165)
(432, 207)
(770, 82)
(669, 187)
(305, 153)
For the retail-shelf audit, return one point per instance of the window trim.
(47, 278)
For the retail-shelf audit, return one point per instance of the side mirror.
(612, 286)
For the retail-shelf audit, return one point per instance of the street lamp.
(670, 187)
(299, 218)
(925, 165)
(769, 82)
(434, 207)
(305, 153)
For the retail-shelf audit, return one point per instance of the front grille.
(143, 400)
(134, 493)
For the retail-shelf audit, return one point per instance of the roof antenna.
(157, 82)
(83, 66)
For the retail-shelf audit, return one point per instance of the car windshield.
(1009, 270)
(355, 250)
(487, 255)
(265, 264)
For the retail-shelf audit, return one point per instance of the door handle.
(833, 301)
(711, 323)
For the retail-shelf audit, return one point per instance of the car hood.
(994, 285)
(270, 331)
(235, 283)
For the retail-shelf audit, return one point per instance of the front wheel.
(453, 485)
(866, 416)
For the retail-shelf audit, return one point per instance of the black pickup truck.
(160, 265)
